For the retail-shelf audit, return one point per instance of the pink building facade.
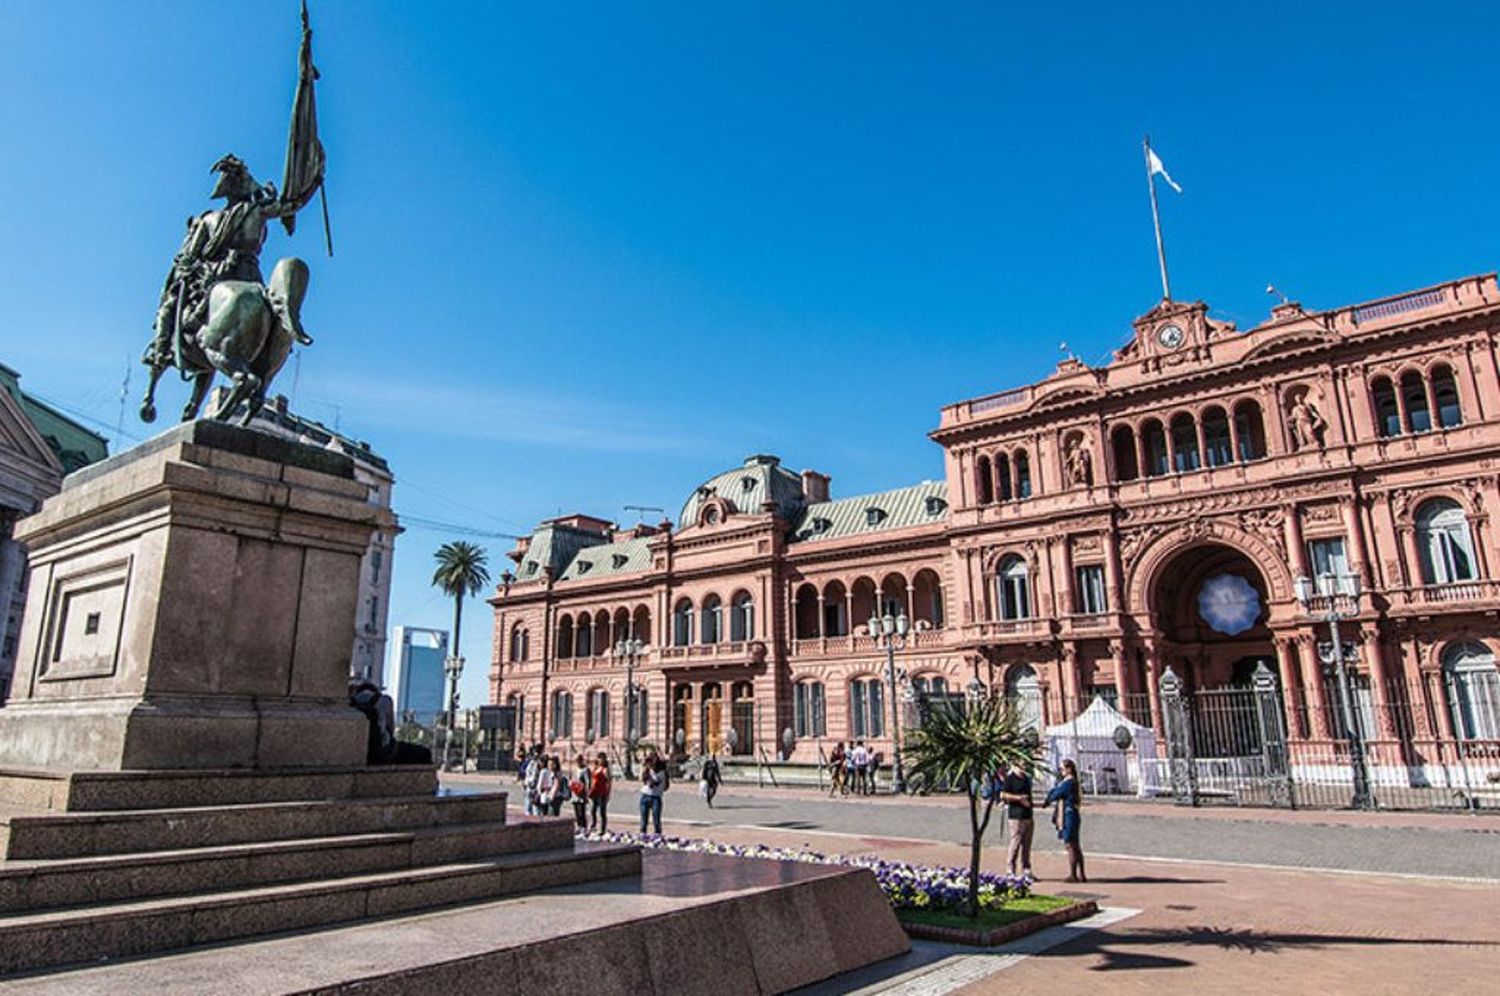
(1092, 530)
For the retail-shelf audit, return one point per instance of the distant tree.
(462, 572)
(966, 747)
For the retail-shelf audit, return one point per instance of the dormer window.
(874, 516)
(935, 505)
(821, 525)
(618, 560)
(584, 565)
(530, 567)
(747, 483)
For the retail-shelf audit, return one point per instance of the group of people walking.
(854, 769)
(1014, 789)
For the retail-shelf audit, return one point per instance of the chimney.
(814, 486)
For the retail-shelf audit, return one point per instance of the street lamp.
(890, 632)
(453, 667)
(1337, 657)
(630, 649)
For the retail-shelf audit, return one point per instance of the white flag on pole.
(1158, 169)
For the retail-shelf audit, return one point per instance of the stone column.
(1069, 605)
(1153, 686)
(1121, 665)
(1355, 528)
(1289, 687)
(1312, 684)
(1112, 580)
(1412, 556)
(1296, 549)
(1385, 729)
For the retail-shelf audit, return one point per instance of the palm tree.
(462, 571)
(966, 746)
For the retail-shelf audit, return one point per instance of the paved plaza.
(1227, 900)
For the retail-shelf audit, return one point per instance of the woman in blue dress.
(1066, 794)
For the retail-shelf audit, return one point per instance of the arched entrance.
(1210, 607)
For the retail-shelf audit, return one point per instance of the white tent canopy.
(1089, 739)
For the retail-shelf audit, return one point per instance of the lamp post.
(630, 650)
(890, 632)
(453, 667)
(1337, 658)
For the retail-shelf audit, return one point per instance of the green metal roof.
(622, 557)
(555, 545)
(74, 445)
(759, 478)
(916, 505)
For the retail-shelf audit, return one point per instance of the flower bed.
(906, 886)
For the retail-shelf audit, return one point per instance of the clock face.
(1170, 336)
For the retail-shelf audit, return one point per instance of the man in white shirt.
(861, 758)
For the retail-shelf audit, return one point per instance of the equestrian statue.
(217, 313)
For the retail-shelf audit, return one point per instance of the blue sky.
(590, 254)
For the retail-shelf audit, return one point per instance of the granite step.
(173, 788)
(38, 885)
(36, 834)
(92, 934)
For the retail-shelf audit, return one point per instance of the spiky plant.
(965, 747)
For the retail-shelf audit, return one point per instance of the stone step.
(39, 885)
(174, 788)
(32, 834)
(125, 929)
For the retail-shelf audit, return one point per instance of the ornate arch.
(1147, 563)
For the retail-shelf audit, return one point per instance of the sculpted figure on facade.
(1307, 424)
(1078, 463)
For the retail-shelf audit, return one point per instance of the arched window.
(1473, 687)
(562, 714)
(1184, 443)
(598, 719)
(682, 623)
(640, 625)
(518, 642)
(583, 639)
(565, 637)
(601, 632)
(866, 708)
(713, 620)
(742, 717)
(1445, 543)
(1014, 591)
(930, 684)
(1023, 691)
(1445, 392)
(1023, 475)
(807, 612)
(1155, 441)
(893, 596)
(742, 617)
(1387, 415)
(1251, 430)
(984, 484)
(620, 630)
(637, 729)
(1217, 451)
(1002, 477)
(927, 599)
(835, 610)
(1122, 442)
(1414, 395)
(865, 600)
(809, 712)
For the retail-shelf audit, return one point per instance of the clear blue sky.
(590, 254)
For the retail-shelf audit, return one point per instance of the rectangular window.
(800, 716)
(1327, 557)
(860, 709)
(877, 709)
(819, 711)
(1015, 602)
(1089, 589)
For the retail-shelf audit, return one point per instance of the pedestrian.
(599, 786)
(1067, 818)
(712, 779)
(578, 792)
(559, 787)
(1015, 792)
(836, 771)
(530, 781)
(859, 758)
(653, 785)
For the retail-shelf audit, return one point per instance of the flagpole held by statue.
(217, 314)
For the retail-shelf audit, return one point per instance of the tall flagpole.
(1161, 252)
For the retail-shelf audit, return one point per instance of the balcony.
(1454, 594)
(1009, 630)
(734, 652)
(859, 643)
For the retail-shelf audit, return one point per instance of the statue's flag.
(1159, 169)
(305, 162)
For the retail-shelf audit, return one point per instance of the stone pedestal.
(191, 605)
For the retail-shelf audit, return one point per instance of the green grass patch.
(1012, 912)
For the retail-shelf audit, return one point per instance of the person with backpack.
(599, 786)
(653, 787)
(578, 792)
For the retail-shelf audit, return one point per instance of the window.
(1023, 691)
(584, 641)
(1217, 450)
(807, 612)
(598, 726)
(713, 620)
(742, 717)
(983, 482)
(1155, 441)
(1251, 430)
(1184, 443)
(1327, 556)
(1089, 589)
(809, 716)
(682, 624)
(931, 684)
(1473, 687)
(742, 618)
(1123, 443)
(376, 559)
(373, 624)
(562, 714)
(867, 708)
(1023, 475)
(565, 638)
(1445, 392)
(835, 611)
(1002, 477)
(1446, 547)
(1387, 415)
(874, 516)
(1414, 394)
(518, 644)
(638, 728)
(1015, 595)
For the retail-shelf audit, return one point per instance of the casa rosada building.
(1091, 531)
